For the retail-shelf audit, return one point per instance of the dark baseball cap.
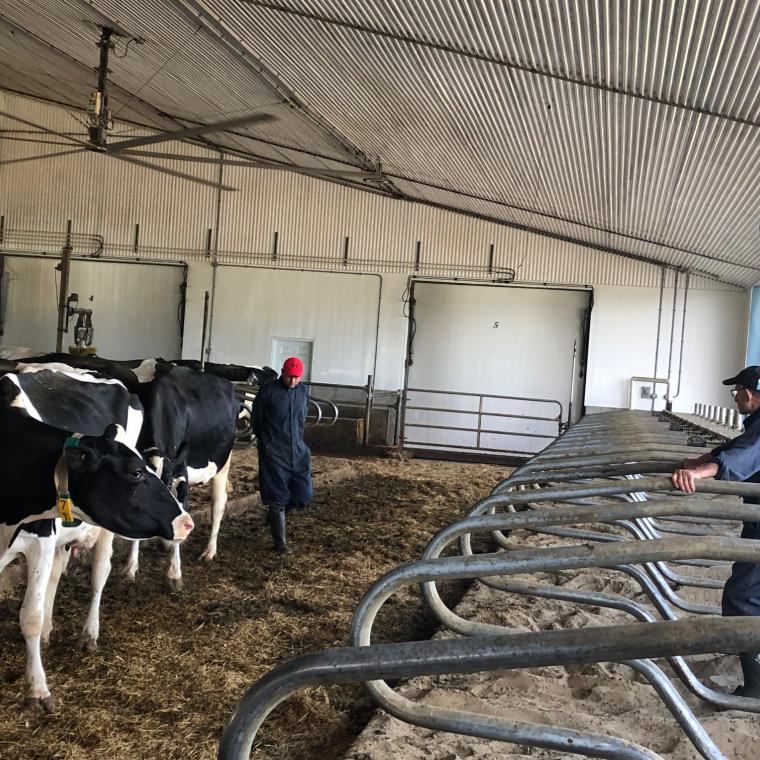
(749, 377)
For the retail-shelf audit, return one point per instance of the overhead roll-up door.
(136, 306)
(492, 366)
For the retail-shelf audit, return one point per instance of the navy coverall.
(277, 419)
(739, 459)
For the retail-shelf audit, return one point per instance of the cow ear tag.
(64, 508)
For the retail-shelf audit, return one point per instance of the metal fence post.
(397, 421)
(480, 420)
(368, 409)
(203, 330)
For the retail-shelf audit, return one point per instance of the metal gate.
(454, 421)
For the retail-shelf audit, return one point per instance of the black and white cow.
(188, 434)
(140, 371)
(138, 375)
(132, 373)
(52, 441)
(235, 373)
(32, 437)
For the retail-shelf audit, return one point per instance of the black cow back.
(199, 409)
(68, 403)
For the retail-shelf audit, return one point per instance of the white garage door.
(135, 306)
(328, 318)
(475, 345)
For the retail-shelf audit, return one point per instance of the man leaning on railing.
(739, 459)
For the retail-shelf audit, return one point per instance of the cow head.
(112, 487)
(243, 430)
(172, 470)
(261, 375)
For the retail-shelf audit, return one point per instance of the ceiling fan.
(100, 123)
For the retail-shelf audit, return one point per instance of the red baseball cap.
(292, 367)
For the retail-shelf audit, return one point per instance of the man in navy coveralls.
(738, 459)
(277, 419)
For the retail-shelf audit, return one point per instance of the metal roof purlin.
(496, 61)
(197, 141)
(576, 241)
(88, 77)
(556, 217)
(215, 27)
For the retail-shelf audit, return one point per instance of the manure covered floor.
(171, 667)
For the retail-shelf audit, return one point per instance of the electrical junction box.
(646, 391)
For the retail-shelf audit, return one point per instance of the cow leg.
(133, 561)
(174, 571)
(60, 560)
(40, 554)
(101, 569)
(218, 503)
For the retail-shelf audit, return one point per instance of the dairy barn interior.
(516, 247)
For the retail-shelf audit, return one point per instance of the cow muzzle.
(182, 526)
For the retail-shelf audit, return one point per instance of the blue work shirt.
(277, 418)
(739, 459)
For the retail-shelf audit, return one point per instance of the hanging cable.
(169, 59)
(136, 40)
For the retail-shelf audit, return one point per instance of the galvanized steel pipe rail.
(623, 643)
(579, 456)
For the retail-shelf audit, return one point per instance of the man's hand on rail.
(683, 478)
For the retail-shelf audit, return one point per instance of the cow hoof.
(41, 704)
(176, 585)
(208, 555)
(88, 644)
(129, 576)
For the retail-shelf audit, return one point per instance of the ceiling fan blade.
(50, 131)
(171, 172)
(314, 172)
(255, 164)
(32, 140)
(175, 157)
(183, 134)
(39, 158)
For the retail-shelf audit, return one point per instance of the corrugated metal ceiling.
(631, 127)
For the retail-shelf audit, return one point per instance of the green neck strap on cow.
(65, 505)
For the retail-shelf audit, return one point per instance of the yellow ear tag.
(64, 507)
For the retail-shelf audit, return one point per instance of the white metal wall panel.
(338, 312)
(312, 218)
(29, 298)
(102, 195)
(135, 306)
(624, 336)
(506, 341)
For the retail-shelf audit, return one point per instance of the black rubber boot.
(277, 526)
(750, 662)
